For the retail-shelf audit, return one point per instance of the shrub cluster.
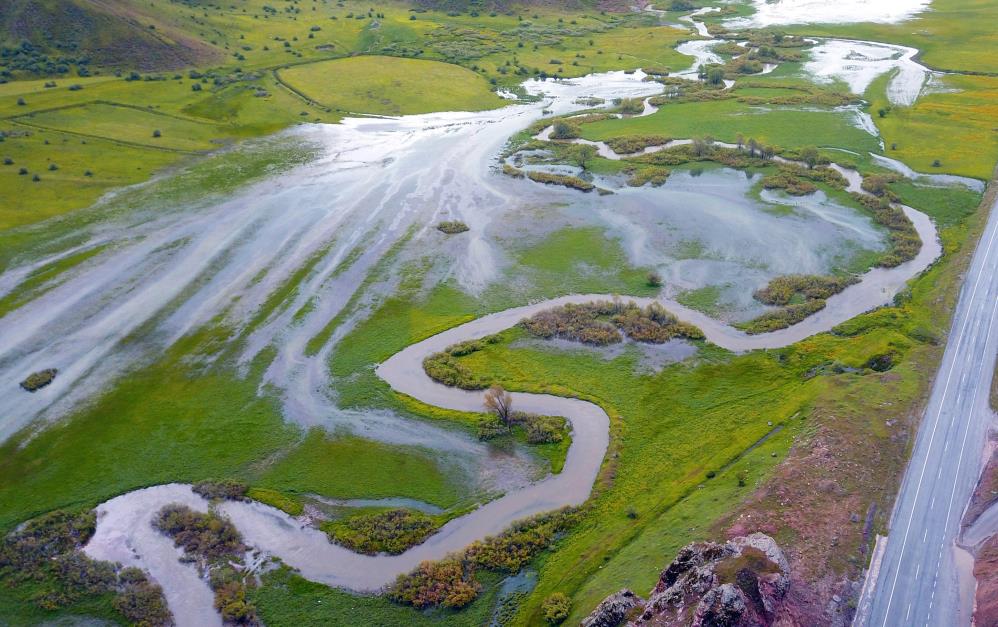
(656, 175)
(225, 489)
(140, 600)
(556, 608)
(217, 545)
(448, 583)
(38, 380)
(445, 368)
(573, 182)
(452, 227)
(600, 323)
(635, 143)
(539, 429)
(783, 317)
(204, 535)
(783, 289)
(451, 582)
(46, 550)
(800, 181)
(904, 240)
(393, 531)
(630, 106)
(565, 130)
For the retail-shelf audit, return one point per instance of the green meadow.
(391, 85)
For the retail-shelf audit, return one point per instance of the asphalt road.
(917, 582)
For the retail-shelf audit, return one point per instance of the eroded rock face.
(613, 609)
(741, 583)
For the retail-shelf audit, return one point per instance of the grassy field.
(956, 128)
(786, 127)
(128, 125)
(391, 85)
(956, 35)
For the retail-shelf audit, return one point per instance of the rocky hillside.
(740, 583)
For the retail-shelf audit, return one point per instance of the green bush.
(393, 531)
(556, 608)
(565, 130)
(204, 535)
(38, 380)
(447, 583)
(226, 490)
(573, 182)
(782, 290)
(452, 227)
(600, 323)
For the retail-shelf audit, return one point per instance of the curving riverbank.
(124, 532)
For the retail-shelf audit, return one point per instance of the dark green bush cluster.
(140, 600)
(630, 106)
(225, 489)
(563, 129)
(451, 582)
(540, 429)
(783, 317)
(799, 181)
(556, 608)
(393, 531)
(512, 549)
(38, 380)
(798, 296)
(654, 325)
(46, 551)
(904, 240)
(452, 227)
(784, 289)
(216, 543)
(654, 174)
(635, 143)
(204, 535)
(879, 185)
(447, 583)
(445, 368)
(579, 323)
(229, 586)
(573, 182)
(597, 323)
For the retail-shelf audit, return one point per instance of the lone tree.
(499, 402)
(582, 155)
(715, 76)
(809, 155)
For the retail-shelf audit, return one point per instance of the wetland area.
(745, 223)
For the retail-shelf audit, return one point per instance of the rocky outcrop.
(613, 609)
(741, 583)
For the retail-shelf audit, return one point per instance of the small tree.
(654, 279)
(715, 75)
(564, 130)
(582, 155)
(157, 133)
(499, 402)
(753, 146)
(21, 102)
(740, 140)
(809, 155)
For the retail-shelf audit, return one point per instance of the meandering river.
(378, 180)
